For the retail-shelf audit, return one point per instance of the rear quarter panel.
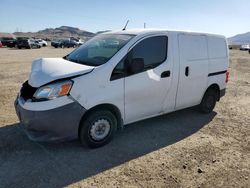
(218, 60)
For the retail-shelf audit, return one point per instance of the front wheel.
(208, 101)
(97, 128)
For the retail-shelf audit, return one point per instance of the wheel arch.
(216, 88)
(112, 108)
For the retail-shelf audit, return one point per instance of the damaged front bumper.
(54, 120)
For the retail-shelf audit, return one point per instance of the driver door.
(145, 91)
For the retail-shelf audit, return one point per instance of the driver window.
(153, 50)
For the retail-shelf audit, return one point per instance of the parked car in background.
(249, 51)
(78, 41)
(27, 43)
(1, 45)
(67, 43)
(64, 43)
(245, 47)
(10, 43)
(56, 43)
(42, 42)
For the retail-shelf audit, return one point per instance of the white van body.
(193, 63)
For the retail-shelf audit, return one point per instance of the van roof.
(153, 30)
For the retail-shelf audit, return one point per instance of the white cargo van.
(118, 78)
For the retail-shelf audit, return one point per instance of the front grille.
(27, 91)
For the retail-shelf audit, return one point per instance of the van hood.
(46, 70)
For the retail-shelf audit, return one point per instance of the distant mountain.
(60, 32)
(240, 39)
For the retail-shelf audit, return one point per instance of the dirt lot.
(181, 149)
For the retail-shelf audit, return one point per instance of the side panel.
(218, 60)
(193, 77)
(145, 94)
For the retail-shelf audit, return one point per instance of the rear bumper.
(222, 92)
(56, 124)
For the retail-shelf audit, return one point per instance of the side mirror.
(136, 65)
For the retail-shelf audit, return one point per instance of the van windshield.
(99, 49)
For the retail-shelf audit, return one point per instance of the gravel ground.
(180, 149)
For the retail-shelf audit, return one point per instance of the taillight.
(227, 76)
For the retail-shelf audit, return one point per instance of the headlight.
(53, 91)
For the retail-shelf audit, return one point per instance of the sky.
(226, 17)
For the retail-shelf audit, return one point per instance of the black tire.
(208, 101)
(87, 128)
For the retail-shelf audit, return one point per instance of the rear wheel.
(208, 101)
(97, 128)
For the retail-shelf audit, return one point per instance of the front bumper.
(57, 124)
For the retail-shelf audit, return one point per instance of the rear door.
(193, 57)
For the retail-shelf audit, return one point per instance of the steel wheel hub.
(100, 129)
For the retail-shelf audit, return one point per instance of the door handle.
(187, 71)
(165, 74)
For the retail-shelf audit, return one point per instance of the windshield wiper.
(80, 62)
(86, 63)
(72, 60)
